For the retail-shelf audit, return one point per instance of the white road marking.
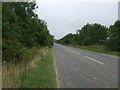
(69, 49)
(94, 78)
(95, 60)
(76, 52)
(110, 56)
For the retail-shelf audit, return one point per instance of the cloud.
(66, 17)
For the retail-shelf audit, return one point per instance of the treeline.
(22, 30)
(92, 34)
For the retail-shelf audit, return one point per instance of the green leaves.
(68, 39)
(91, 34)
(22, 29)
(113, 43)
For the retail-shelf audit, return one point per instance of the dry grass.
(11, 70)
(41, 52)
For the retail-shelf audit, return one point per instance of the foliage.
(113, 43)
(42, 76)
(68, 39)
(37, 73)
(92, 34)
(22, 30)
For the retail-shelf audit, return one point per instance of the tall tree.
(22, 29)
(113, 42)
(92, 34)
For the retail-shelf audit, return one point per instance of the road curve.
(78, 68)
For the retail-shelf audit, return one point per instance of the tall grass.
(10, 70)
(42, 76)
(39, 72)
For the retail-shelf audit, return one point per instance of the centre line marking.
(95, 60)
(76, 52)
(69, 49)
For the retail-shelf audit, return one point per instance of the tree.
(92, 34)
(22, 30)
(113, 43)
(68, 39)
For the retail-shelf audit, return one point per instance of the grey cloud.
(66, 17)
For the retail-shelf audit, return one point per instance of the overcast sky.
(66, 17)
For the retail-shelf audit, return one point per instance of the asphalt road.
(78, 68)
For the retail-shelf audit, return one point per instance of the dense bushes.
(113, 43)
(92, 34)
(22, 30)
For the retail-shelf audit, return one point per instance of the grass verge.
(39, 73)
(96, 48)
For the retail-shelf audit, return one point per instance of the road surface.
(78, 68)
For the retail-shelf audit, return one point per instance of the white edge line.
(55, 65)
(110, 56)
(95, 60)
